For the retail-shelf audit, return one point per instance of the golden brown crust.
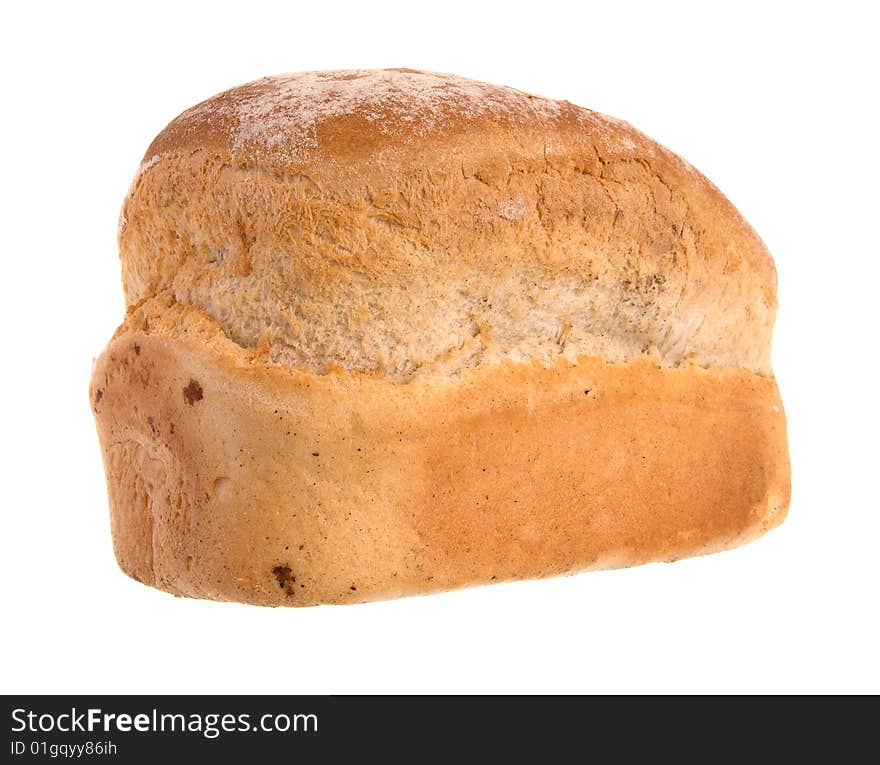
(398, 222)
(235, 480)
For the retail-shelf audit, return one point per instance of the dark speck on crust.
(137, 350)
(99, 394)
(284, 575)
(192, 392)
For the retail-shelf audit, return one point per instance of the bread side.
(236, 480)
(408, 223)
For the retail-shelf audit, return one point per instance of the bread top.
(407, 223)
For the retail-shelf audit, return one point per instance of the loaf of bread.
(393, 332)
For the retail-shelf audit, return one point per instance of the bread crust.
(407, 222)
(232, 479)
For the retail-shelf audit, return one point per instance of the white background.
(776, 103)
